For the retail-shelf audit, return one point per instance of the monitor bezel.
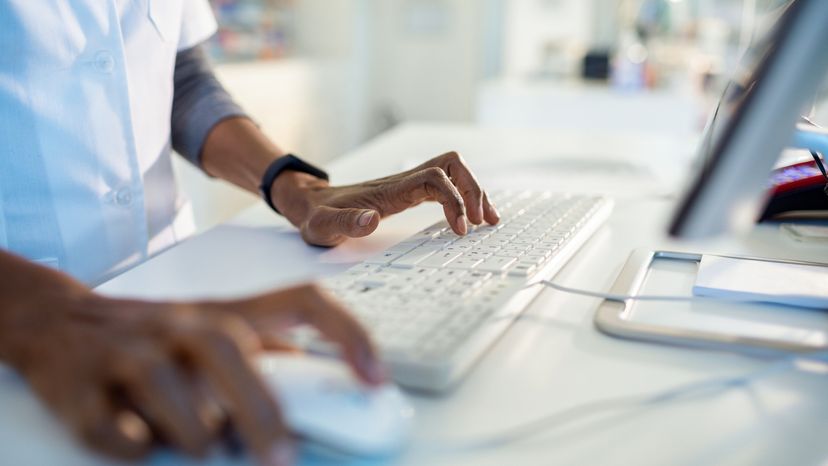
(689, 219)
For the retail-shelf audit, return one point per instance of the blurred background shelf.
(323, 76)
(253, 29)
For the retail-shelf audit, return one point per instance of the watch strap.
(287, 162)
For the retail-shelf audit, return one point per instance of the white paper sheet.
(790, 284)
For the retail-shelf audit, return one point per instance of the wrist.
(292, 194)
(291, 185)
(24, 325)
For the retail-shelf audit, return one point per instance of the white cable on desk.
(566, 416)
(624, 297)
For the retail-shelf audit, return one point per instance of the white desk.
(552, 358)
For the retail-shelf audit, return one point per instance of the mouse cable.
(568, 416)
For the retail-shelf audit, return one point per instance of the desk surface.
(551, 359)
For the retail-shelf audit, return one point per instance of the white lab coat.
(86, 182)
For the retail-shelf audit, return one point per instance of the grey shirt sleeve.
(199, 103)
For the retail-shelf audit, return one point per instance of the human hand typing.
(328, 215)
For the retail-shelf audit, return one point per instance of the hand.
(125, 375)
(328, 215)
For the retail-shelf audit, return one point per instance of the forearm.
(200, 102)
(215, 134)
(212, 131)
(238, 152)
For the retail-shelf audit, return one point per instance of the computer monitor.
(754, 122)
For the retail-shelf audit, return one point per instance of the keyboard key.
(442, 242)
(407, 245)
(416, 256)
(480, 254)
(400, 288)
(458, 247)
(503, 235)
(431, 232)
(548, 245)
(466, 241)
(522, 269)
(480, 275)
(512, 251)
(489, 228)
(386, 257)
(472, 282)
(538, 254)
(376, 280)
(496, 264)
(426, 297)
(436, 281)
(440, 259)
(535, 259)
(465, 262)
(412, 276)
(510, 231)
(489, 247)
(450, 273)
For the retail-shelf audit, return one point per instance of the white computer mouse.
(323, 402)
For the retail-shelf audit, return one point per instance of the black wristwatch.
(287, 162)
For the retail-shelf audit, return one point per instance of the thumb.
(329, 226)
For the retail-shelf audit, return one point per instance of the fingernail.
(495, 211)
(280, 454)
(365, 218)
(462, 227)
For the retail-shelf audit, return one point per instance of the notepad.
(797, 285)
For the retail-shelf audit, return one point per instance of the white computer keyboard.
(436, 302)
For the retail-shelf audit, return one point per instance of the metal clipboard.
(616, 317)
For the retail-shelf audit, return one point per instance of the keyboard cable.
(635, 297)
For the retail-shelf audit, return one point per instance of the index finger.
(434, 183)
(309, 304)
(478, 204)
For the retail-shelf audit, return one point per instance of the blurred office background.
(322, 77)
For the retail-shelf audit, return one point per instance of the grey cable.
(562, 418)
(567, 416)
(624, 297)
